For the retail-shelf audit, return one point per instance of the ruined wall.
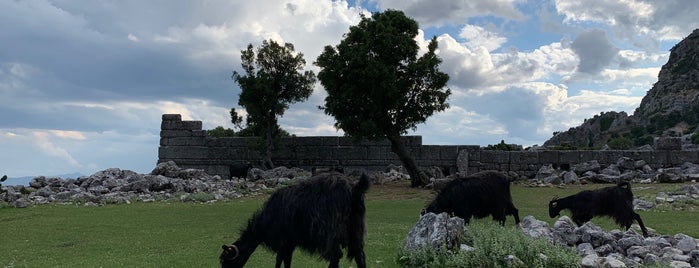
(185, 143)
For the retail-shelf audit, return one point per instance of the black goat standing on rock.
(321, 215)
(615, 202)
(478, 195)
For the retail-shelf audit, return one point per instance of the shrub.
(492, 243)
(197, 197)
(502, 146)
(695, 138)
(219, 131)
(620, 143)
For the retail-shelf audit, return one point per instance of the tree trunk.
(417, 178)
(269, 144)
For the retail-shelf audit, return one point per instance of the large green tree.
(273, 79)
(378, 87)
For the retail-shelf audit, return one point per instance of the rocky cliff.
(669, 108)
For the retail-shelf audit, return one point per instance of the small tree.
(377, 86)
(272, 81)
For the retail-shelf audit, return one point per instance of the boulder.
(435, 231)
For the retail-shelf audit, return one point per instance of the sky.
(84, 84)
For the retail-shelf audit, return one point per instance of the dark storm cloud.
(594, 50)
(519, 110)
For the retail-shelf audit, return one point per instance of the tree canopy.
(377, 85)
(273, 79)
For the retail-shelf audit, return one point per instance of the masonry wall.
(185, 143)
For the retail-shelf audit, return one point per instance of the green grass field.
(190, 234)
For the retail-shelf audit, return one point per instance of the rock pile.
(625, 168)
(167, 181)
(616, 248)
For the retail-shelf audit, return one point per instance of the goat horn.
(227, 249)
(555, 197)
(237, 252)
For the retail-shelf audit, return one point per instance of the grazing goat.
(615, 202)
(479, 195)
(321, 215)
(239, 170)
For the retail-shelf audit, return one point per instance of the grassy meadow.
(190, 234)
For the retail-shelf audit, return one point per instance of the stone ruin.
(596, 247)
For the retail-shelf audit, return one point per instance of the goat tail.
(357, 226)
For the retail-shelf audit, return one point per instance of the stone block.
(659, 159)
(667, 143)
(448, 152)
(180, 125)
(429, 152)
(183, 152)
(313, 152)
(524, 157)
(610, 156)
(586, 156)
(308, 141)
(187, 141)
(549, 157)
(570, 157)
(232, 141)
(639, 155)
(224, 153)
(498, 157)
(677, 158)
(379, 153)
(331, 141)
(172, 117)
(347, 153)
(462, 163)
(175, 133)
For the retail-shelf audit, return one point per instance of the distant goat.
(321, 215)
(615, 202)
(479, 195)
(240, 170)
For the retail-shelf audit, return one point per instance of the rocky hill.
(669, 108)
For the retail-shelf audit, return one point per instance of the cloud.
(440, 12)
(594, 50)
(642, 23)
(477, 37)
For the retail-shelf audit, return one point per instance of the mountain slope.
(669, 108)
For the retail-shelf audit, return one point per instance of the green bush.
(492, 243)
(197, 197)
(219, 131)
(695, 138)
(620, 143)
(502, 146)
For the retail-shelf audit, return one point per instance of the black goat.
(478, 195)
(321, 215)
(239, 170)
(615, 202)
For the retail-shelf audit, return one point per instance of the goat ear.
(553, 204)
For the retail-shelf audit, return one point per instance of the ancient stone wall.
(185, 143)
